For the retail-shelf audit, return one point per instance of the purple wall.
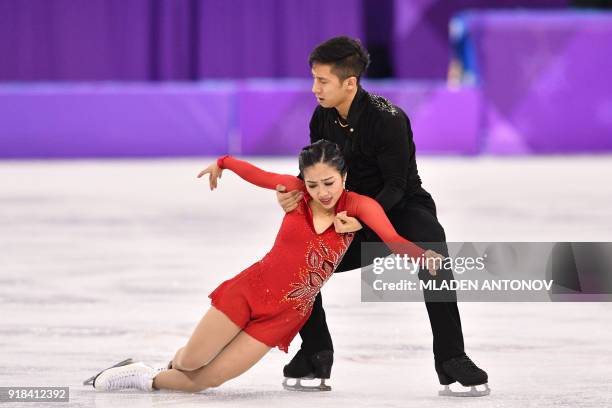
(420, 43)
(249, 118)
(166, 40)
(111, 120)
(545, 80)
(268, 38)
(543, 85)
(193, 39)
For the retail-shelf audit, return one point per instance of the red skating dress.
(272, 299)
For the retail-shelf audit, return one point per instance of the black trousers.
(415, 219)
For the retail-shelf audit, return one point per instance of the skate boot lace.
(467, 364)
(134, 377)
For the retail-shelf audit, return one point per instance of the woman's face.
(324, 184)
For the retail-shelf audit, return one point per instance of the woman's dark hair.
(322, 151)
(346, 56)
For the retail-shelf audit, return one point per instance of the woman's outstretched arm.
(250, 173)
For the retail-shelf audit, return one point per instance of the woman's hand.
(214, 173)
(343, 223)
(433, 261)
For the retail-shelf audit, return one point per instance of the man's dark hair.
(346, 56)
(322, 151)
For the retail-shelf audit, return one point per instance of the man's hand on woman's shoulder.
(288, 200)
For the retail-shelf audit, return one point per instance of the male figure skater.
(376, 139)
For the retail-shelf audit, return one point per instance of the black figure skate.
(464, 371)
(304, 367)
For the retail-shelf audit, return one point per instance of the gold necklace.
(339, 121)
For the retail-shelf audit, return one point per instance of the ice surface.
(103, 260)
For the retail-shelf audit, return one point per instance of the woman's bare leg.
(211, 335)
(240, 355)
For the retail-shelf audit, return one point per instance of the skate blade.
(91, 379)
(473, 392)
(298, 386)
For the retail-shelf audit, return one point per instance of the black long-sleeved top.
(377, 146)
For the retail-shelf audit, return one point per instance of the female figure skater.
(267, 304)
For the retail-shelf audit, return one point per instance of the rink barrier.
(208, 118)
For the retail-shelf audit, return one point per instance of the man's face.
(327, 87)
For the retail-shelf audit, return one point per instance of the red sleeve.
(259, 177)
(369, 211)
